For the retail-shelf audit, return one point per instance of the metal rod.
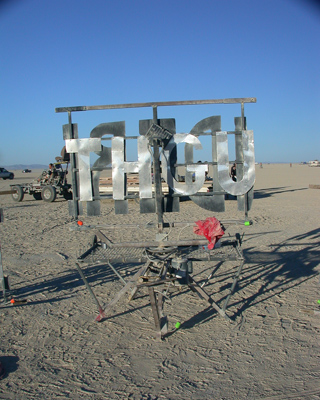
(243, 127)
(242, 116)
(158, 104)
(73, 168)
(117, 273)
(201, 292)
(128, 286)
(101, 313)
(2, 279)
(234, 282)
(149, 225)
(157, 174)
(155, 114)
(155, 310)
(198, 134)
(194, 242)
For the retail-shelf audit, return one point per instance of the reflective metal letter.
(83, 147)
(246, 183)
(120, 167)
(198, 170)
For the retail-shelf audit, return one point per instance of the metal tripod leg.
(128, 286)
(212, 274)
(117, 273)
(2, 279)
(200, 291)
(236, 277)
(160, 321)
(101, 312)
(135, 290)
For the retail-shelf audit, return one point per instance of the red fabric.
(211, 229)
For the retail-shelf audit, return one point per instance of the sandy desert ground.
(52, 348)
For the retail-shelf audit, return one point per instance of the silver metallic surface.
(144, 160)
(153, 147)
(104, 160)
(244, 182)
(71, 207)
(70, 131)
(215, 202)
(120, 167)
(118, 180)
(83, 148)
(187, 188)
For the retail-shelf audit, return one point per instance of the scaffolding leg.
(2, 279)
(128, 286)
(201, 293)
(212, 274)
(117, 273)
(160, 321)
(234, 283)
(101, 312)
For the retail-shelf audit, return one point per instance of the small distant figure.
(261, 165)
(233, 172)
(290, 165)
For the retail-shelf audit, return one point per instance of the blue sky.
(74, 52)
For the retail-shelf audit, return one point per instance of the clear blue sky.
(75, 52)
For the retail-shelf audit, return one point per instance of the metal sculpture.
(166, 262)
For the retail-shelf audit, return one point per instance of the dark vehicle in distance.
(26, 170)
(4, 174)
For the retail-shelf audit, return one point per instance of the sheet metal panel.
(244, 184)
(121, 207)
(248, 197)
(111, 129)
(70, 131)
(83, 148)
(186, 188)
(147, 206)
(215, 203)
(72, 210)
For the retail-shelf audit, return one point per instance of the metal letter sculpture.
(166, 262)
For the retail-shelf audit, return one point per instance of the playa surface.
(52, 348)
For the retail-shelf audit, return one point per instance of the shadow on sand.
(268, 273)
(268, 192)
(10, 364)
(272, 272)
(66, 285)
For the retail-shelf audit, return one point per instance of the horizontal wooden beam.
(158, 104)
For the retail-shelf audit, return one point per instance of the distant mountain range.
(24, 166)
